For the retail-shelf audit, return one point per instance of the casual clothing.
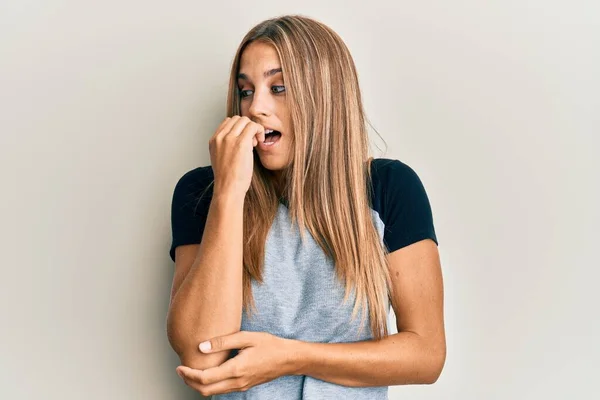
(301, 297)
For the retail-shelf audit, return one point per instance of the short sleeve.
(189, 207)
(403, 204)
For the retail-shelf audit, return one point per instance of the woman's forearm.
(209, 301)
(399, 359)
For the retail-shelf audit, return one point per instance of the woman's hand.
(262, 357)
(231, 153)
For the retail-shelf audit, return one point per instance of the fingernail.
(205, 346)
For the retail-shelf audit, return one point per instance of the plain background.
(104, 105)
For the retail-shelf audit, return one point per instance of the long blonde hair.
(328, 181)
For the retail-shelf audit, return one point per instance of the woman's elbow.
(186, 346)
(198, 360)
(438, 360)
(190, 355)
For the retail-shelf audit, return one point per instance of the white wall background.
(104, 105)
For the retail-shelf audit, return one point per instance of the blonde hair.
(328, 181)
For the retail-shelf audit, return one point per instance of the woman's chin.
(272, 163)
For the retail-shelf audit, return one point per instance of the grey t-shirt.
(301, 297)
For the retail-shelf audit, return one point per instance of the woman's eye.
(278, 89)
(245, 93)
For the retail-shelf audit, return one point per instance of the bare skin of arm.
(415, 355)
(206, 296)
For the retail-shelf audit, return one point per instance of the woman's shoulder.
(400, 199)
(194, 185)
(189, 207)
(199, 176)
(389, 171)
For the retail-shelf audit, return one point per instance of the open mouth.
(271, 136)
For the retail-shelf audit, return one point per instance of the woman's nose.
(260, 105)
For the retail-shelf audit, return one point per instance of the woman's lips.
(271, 142)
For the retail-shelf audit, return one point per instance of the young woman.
(294, 232)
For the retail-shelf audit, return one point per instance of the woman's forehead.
(259, 58)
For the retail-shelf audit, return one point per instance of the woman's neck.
(278, 182)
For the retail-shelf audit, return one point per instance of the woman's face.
(262, 99)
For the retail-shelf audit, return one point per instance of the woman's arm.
(415, 355)
(401, 359)
(206, 297)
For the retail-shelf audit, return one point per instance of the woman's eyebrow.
(266, 74)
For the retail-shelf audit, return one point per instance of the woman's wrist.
(228, 197)
(298, 357)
